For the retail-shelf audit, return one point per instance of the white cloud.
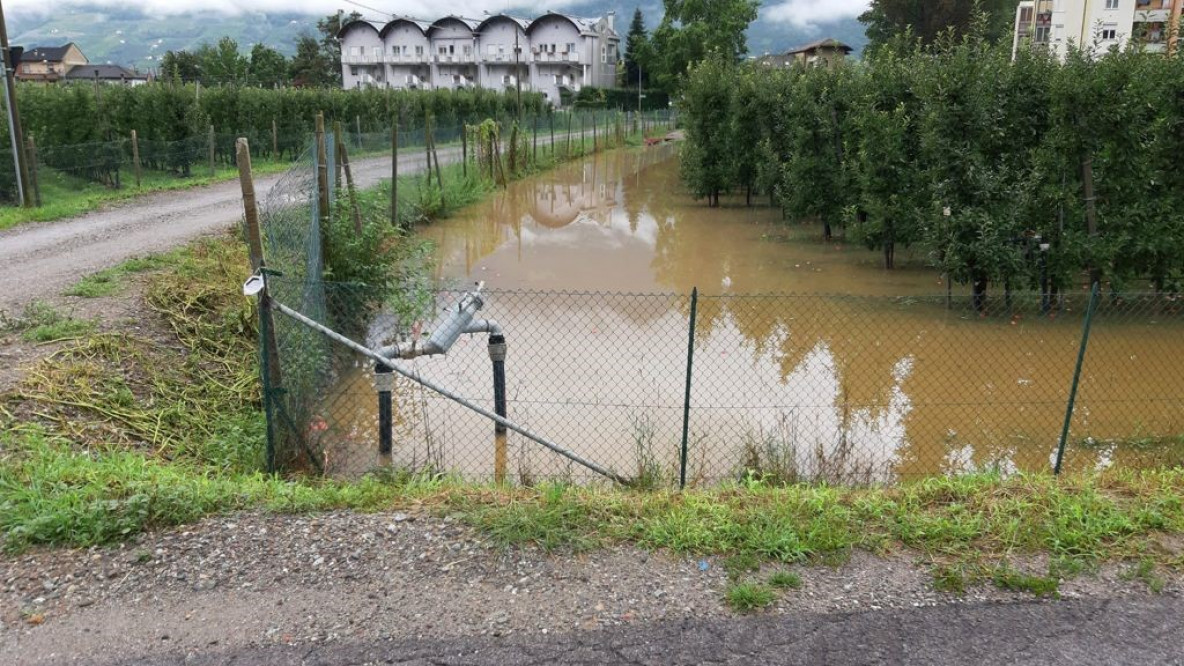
(811, 13)
(419, 8)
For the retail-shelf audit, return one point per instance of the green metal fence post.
(1089, 318)
(686, 403)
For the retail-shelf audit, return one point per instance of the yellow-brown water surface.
(810, 359)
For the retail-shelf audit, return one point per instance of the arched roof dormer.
(421, 26)
(359, 25)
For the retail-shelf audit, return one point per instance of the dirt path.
(39, 260)
(256, 584)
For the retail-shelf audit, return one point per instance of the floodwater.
(810, 361)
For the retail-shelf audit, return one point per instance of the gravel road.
(353, 588)
(39, 260)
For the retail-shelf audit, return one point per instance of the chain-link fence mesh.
(783, 387)
(112, 164)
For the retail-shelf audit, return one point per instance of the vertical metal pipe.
(497, 354)
(384, 383)
(686, 403)
(1089, 318)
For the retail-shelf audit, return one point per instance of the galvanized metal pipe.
(413, 376)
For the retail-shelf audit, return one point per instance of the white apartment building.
(1096, 24)
(548, 54)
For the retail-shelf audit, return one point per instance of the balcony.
(407, 59)
(360, 59)
(557, 57)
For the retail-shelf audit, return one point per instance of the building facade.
(1099, 25)
(822, 53)
(549, 54)
(49, 63)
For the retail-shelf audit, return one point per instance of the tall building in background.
(1096, 24)
(551, 54)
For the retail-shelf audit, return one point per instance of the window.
(1111, 4)
(1042, 34)
(377, 51)
(571, 47)
(603, 54)
(1110, 32)
(355, 50)
(353, 71)
(443, 51)
(468, 49)
(419, 50)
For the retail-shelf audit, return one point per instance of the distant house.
(105, 74)
(49, 63)
(822, 53)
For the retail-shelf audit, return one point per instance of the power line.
(372, 9)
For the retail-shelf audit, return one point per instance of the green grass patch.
(1006, 578)
(112, 280)
(785, 580)
(739, 564)
(1146, 570)
(51, 492)
(746, 597)
(41, 322)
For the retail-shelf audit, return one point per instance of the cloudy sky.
(801, 13)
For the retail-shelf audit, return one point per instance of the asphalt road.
(1136, 630)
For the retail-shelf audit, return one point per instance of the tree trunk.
(980, 294)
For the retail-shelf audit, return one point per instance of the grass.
(957, 523)
(1006, 578)
(111, 280)
(745, 597)
(41, 322)
(785, 580)
(65, 196)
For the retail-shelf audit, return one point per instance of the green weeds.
(745, 597)
(41, 322)
(111, 280)
(785, 580)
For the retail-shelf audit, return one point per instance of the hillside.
(131, 37)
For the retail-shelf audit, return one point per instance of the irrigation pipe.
(377, 358)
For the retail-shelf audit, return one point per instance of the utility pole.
(14, 117)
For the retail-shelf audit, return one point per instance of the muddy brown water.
(811, 361)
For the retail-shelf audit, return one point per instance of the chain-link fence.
(661, 388)
(781, 387)
(126, 162)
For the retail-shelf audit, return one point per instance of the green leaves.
(977, 158)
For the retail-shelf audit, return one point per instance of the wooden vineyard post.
(343, 159)
(212, 173)
(395, 173)
(269, 356)
(275, 141)
(322, 173)
(34, 172)
(136, 157)
(464, 150)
